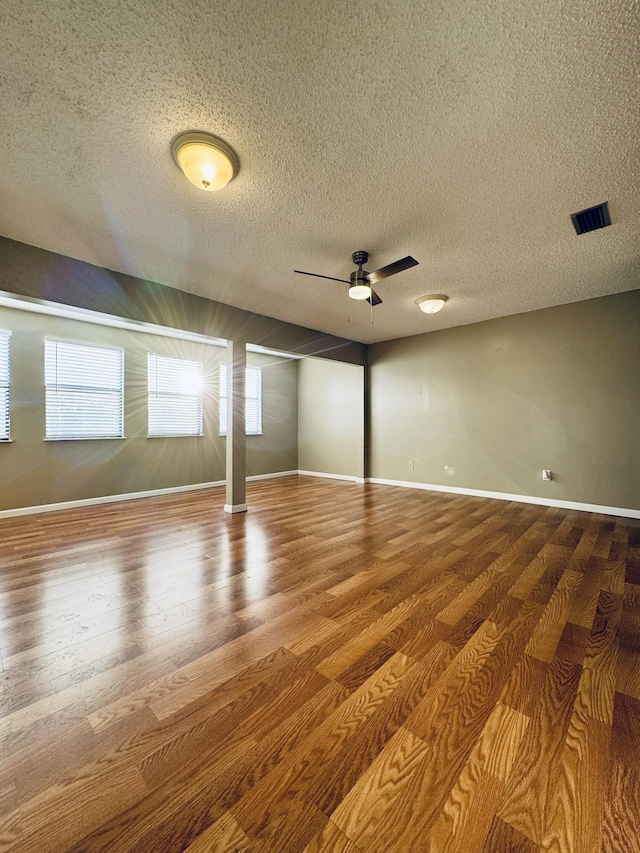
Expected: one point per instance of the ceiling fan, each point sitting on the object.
(360, 280)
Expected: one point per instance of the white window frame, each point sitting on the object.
(71, 392)
(253, 424)
(170, 407)
(5, 382)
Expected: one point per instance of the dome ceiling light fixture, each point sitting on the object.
(431, 304)
(208, 162)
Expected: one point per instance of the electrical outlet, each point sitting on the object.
(546, 474)
(411, 463)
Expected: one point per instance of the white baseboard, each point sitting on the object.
(130, 496)
(233, 508)
(331, 476)
(504, 496)
(623, 512)
(275, 476)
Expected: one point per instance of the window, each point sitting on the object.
(175, 396)
(84, 390)
(5, 338)
(253, 405)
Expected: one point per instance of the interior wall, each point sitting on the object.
(37, 274)
(36, 472)
(277, 448)
(488, 406)
(330, 417)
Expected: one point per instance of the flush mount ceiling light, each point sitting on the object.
(208, 162)
(431, 304)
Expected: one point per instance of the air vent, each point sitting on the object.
(592, 218)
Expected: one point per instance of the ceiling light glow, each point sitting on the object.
(431, 304)
(360, 291)
(208, 162)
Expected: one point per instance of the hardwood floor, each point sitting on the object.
(345, 669)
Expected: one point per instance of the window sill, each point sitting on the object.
(88, 438)
(224, 435)
(177, 435)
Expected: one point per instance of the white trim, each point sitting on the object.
(504, 496)
(271, 476)
(131, 496)
(107, 499)
(99, 318)
(177, 435)
(328, 476)
(431, 487)
(86, 315)
(266, 351)
(89, 438)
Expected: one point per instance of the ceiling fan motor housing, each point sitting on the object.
(359, 277)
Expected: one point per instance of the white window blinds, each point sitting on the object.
(253, 405)
(5, 355)
(175, 396)
(84, 390)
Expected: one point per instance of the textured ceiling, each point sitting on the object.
(462, 132)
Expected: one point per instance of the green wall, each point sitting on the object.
(277, 448)
(35, 472)
(36, 274)
(488, 406)
(330, 417)
(485, 406)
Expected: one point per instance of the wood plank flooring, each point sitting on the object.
(345, 669)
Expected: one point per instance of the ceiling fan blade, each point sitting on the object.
(391, 269)
(374, 299)
(317, 275)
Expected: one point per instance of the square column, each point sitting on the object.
(236, 495)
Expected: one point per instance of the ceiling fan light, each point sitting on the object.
(360, 291)
(431, 304)
(208, 162)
